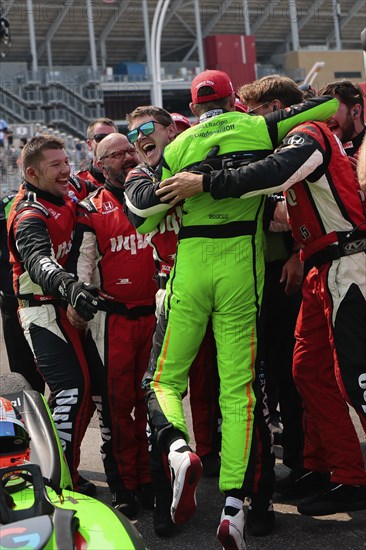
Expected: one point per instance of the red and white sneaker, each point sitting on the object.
(231, 531)
(186, 471)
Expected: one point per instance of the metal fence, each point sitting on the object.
(10, 171)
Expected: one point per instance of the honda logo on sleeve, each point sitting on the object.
(295, 140)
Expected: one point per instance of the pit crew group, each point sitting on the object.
(227, 256)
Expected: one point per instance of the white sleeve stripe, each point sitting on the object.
(144, 213)
(311, 164)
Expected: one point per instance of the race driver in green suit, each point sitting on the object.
(218, 274)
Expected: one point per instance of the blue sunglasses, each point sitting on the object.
(146, 129)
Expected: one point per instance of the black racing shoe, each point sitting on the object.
(261, 519)
(338, 498)
(125, 501)
(302, 482)
(145, 494)
(86, 487)
(211, 464)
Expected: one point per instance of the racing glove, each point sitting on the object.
(81, 296)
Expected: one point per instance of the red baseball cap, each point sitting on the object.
(239, 106)
(218, 81)
(181, 122)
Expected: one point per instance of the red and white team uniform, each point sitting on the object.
(109, 253)
(327, 216)
(91, 174)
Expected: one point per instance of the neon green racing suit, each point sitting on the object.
(218, 273)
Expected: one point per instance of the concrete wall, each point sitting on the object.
(338, 64)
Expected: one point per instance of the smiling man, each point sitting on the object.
(97, 130)
(348, 122)
(41, 225)
(150, 130)
(108, 252)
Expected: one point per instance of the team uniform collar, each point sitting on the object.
(97, 174)
(212, 113)
(45, 195)
(351, 147)
(118, 192)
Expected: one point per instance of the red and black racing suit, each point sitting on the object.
(91, 174)
(108, 252)
(41, 228)
(327, 216)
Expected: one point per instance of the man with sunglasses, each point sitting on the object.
(218, 273)
(97, 130)
(203, 380)
(203, 376)
(108, 252)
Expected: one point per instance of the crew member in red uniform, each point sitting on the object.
(97, 130)
(109, 253)
(348, 123)
(41, 225)
(327, 216)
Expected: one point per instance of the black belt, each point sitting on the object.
(121, 309)
(222, 231)
(335, 251)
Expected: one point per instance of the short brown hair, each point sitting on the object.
(271, 87)
(32, 152)
(101, 120)
(160, 115)
(346, 91)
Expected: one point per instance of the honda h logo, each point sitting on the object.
(107, 206)
(295, 140)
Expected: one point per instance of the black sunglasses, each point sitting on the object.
(147, 128)
(99, 137)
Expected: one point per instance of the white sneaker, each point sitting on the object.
(231, 531)
(186, 471)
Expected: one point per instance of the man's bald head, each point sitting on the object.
(111, 143)
(115, 157)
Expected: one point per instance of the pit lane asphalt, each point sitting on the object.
(293, 531)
